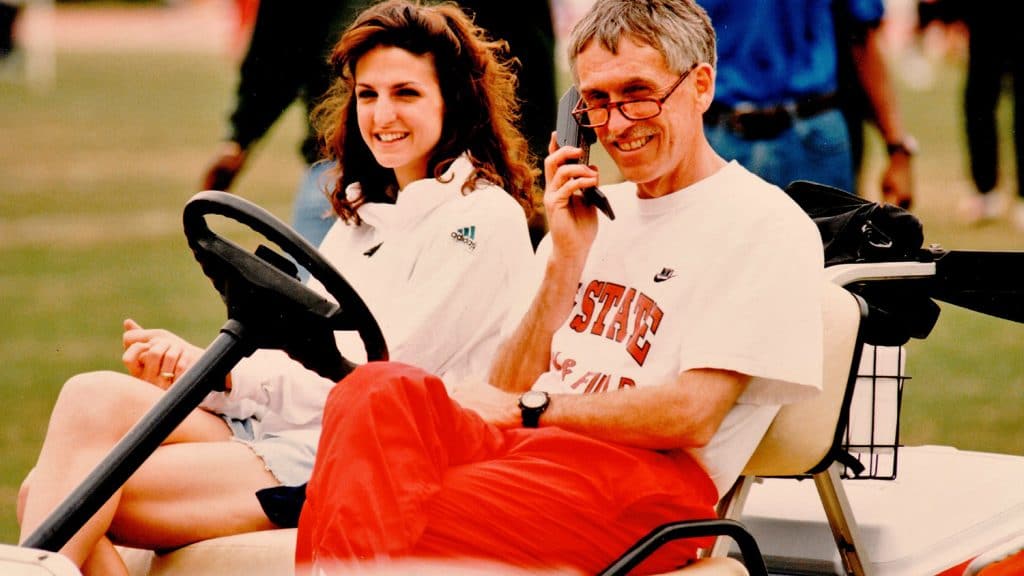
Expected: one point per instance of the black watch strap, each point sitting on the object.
(907, 146)
(532, 404)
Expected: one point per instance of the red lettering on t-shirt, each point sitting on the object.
(599, 383)
(582, 320)
(610, 296)
(647, 318)
(635, 322)
(620, 325)
(583, 379)
(564, 367)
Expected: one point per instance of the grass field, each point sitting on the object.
(93, 176)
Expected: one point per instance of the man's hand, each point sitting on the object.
(572, 224)
(226, 165)
(898, 182)
(493, 405)
(156, 356)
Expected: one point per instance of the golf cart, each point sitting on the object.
(820, 496)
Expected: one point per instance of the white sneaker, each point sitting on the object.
(978, 208)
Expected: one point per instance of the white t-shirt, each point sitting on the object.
(432, 269)
(723, 274)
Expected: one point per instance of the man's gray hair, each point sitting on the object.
(679, 29)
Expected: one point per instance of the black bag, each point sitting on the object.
(857, 230)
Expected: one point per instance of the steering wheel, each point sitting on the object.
(262, 290)
(268, 307)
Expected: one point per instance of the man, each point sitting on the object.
(787, 71)
(651, 359)
(867, 96)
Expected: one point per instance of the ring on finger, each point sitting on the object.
(167, 375)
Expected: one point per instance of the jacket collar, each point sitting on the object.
(417, 199)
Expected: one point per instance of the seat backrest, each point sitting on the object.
(805, 436)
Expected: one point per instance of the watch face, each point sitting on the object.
(533, 399)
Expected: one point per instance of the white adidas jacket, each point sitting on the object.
(436, 278)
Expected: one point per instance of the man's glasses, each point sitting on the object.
(639, 109)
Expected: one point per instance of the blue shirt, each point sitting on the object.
(774, 51)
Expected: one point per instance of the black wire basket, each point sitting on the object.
(872, 434)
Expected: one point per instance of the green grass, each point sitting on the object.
(93, 176)
(967, 384)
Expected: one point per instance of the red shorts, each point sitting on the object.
(404, 471)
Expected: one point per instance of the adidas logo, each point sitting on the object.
(466, 235)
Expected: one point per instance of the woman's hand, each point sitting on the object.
(156, 356)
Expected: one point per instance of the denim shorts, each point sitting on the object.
(288, 458)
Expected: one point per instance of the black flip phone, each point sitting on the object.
(570, 133)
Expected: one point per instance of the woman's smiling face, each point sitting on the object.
(400, 109)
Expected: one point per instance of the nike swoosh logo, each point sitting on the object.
(369, 253)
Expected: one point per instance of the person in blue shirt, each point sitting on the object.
(777, 107)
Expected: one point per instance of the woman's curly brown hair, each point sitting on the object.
(478, 85)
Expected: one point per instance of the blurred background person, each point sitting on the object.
(246, 19)
(994, 51)
(778, 99)
(9, 12)
(860, 55)
(286, 61)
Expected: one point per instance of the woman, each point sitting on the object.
(436, 183)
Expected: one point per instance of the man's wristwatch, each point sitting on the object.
(907, 145)
(532, 404)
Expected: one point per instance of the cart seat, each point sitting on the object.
(263, 553)
(804, 440)
(271, 552)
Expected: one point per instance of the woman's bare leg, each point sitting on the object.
(184, 493)
(104, 559)
(92, 413)
(190, 492)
